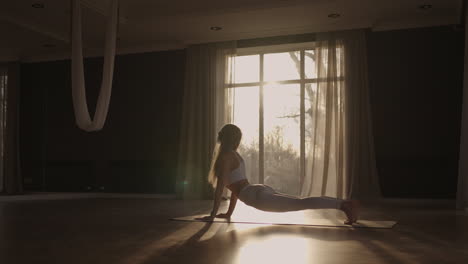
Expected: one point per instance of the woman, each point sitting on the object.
(228, 170)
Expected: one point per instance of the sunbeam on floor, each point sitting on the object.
(138, 231)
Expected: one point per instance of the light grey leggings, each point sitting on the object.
(264, 198)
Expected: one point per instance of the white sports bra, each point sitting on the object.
(236, 174)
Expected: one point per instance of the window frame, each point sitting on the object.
(302, 81)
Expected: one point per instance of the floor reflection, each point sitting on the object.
(124, 231)
(275, 249)
(253, 243)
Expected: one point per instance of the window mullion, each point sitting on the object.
(261, 154)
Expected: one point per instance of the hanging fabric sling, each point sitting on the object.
(83, 119)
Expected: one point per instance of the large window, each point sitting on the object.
(275, 92)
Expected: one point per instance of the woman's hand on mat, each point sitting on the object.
(223, 216)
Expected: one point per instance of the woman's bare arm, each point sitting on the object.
(217, 197)
(226, 163)
(233, 163)
(232, 206)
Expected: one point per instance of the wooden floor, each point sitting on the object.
(137, 231)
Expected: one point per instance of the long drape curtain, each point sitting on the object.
(203, 113)
(3, 85)
(340, 158)
(361, 167)
(462, 190)
(9, 121)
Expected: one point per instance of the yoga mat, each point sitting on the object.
(304, 221)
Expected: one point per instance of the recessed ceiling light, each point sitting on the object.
(334, 15)
(216, 28)
(425, 7)
(48, 45)
(38, 5)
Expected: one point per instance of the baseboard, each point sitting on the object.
(64, 196)
(428, 203)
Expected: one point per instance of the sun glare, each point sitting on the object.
(282, 66)
(247, 69)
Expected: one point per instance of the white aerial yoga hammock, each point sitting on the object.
(83, 120)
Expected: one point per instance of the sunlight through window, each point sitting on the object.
(282, 66)
(267, 107)
(282, 137)
(247, 69)
(246, 117)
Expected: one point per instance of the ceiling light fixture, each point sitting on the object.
(425, 7)
(334, 15)
(38, 5)
(216, 28)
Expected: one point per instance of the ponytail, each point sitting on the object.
(212, 175)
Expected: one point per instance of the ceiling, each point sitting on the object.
(31, 34)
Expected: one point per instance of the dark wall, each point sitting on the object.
(137, 149)
(415, 83)
(416, 79)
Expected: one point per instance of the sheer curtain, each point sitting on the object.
(3, 85)
(204, 111)
(325, 149)
(339, 149)
(12, 179)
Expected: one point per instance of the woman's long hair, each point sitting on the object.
(228, 140)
